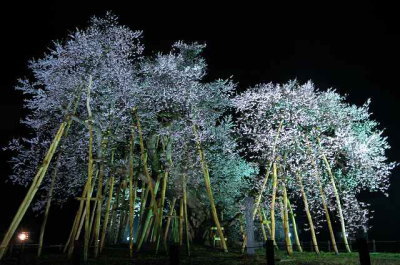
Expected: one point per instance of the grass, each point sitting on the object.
(208, 256)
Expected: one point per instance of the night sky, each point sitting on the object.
(351, 47)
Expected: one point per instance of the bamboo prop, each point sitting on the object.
(148, 228)
(262, 225)
(143, 157)
(150, 213)
(324, 201)
(328, 219)
(48, 204)
(308, 214)
(98, 203)
(143, 201)
(266, 222)
(99, 198)
(122, 214)
(91, 226)
(80, 222)
(175, 228)
(162, 202)
(132, 192)
(185, 214)
(166, 143)
(90, 174)
(286, 228)
(337, 197)
(77, 219)
(181, 222)
(258, 201)
(107, 215)
(37, 180)
(296, 234)
(168, 223)
(113, 223)
(209, 190)
(274, 189)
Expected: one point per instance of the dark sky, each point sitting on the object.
(352, 47)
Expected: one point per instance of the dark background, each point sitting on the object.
(351, 47)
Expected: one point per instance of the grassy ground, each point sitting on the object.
(208, 256)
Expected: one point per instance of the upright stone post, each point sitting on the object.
(363, 251)
(174, 252)
(249, 203)
(270, 255)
